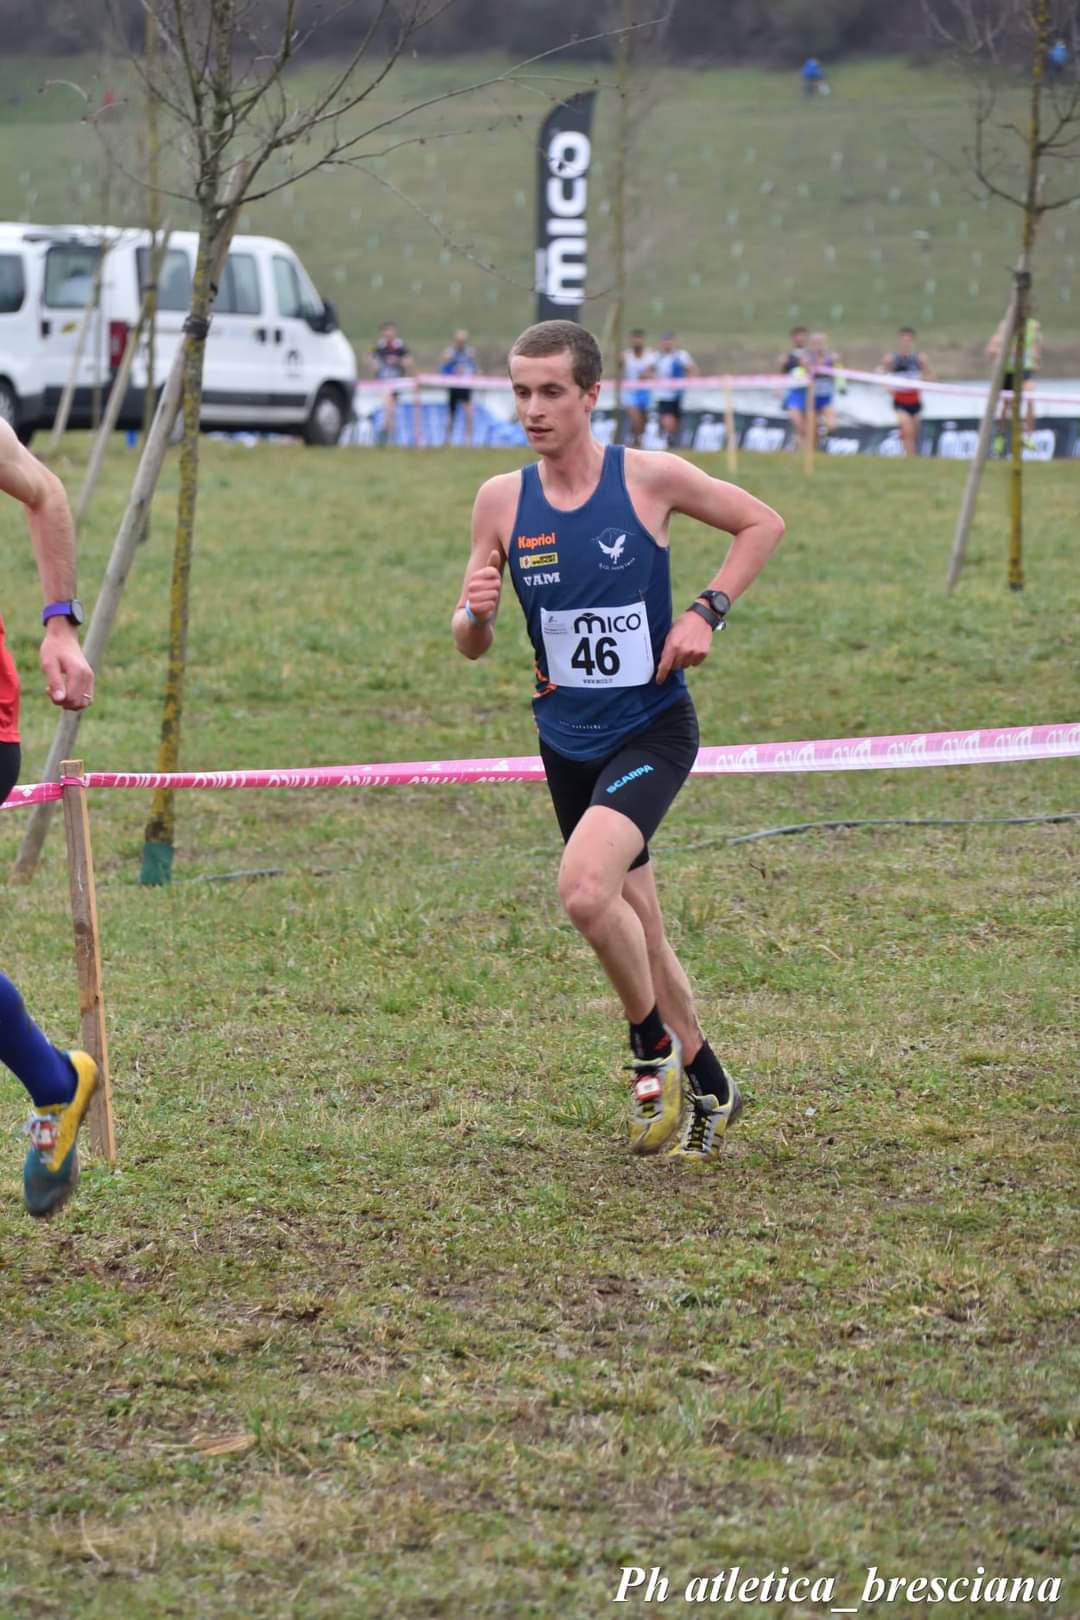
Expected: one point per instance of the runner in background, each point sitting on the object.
(669, 363)
(905, 361)
(826, 386)
(459, 360)
(1032, 362)
(638, 362)
(60, 1084)
(390, 359)
(794, 364)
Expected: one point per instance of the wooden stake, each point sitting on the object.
(809, 425)
(92, 1037)
(729, 429)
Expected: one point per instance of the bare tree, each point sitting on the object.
(1021, 164)
(220, 75)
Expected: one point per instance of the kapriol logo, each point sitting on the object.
(613, 548)
(530, 542)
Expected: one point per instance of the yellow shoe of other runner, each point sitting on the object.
(51, 1170)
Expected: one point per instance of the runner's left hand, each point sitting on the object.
(68, 677)
(688, 643)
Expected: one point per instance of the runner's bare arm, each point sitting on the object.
(685, 488)
(928, 371)
(68, 676)
(482, 585)
(757, 531)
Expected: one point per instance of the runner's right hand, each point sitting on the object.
(485, 587)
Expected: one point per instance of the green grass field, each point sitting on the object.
(375, 1317)
(749, 208)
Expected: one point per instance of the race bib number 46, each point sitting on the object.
(598, 647)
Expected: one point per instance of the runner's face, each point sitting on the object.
(551, 407)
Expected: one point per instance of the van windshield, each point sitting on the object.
(69, 274)
(174, 282)
(12, 283)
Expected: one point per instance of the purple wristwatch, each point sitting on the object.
(71, 610)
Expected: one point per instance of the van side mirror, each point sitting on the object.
(326, 320)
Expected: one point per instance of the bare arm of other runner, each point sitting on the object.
(482, 586)
(757, 531)
(68, 677)
(928, 371)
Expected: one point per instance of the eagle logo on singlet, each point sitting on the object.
(612, 543)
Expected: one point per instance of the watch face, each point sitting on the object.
(76, 611)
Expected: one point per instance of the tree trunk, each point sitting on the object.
(622, 141)
(982, 448)
(1023, 287)
(132, 529)
(161, 827)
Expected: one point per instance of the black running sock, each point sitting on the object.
(650, 1039)
(706, 1076)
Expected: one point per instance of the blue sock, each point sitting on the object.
(47, 1073)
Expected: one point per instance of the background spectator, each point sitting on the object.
(459, 360)
(671, 362)
(390, 359)
(638, 362)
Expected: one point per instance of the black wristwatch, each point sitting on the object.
(712, 606)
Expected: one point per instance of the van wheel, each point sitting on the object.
(9, 403)
(327, 420)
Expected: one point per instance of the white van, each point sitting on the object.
(275, 358)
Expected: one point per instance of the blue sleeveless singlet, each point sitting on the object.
(595, 588)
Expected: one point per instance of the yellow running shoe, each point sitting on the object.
(705, 1124)
(656, 1099)
(51, 1170)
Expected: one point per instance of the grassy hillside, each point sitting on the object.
(376, 1317)
(750, 208)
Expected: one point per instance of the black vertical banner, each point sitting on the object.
(562, 193)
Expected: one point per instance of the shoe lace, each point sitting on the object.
(699, 1129)
(42, 1131)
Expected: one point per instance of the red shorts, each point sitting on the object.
(9, 694)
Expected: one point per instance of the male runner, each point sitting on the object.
(459, 362)
(907, 361)
(638, 362)
(671, 362)
(390, 359)
(60, 1083)
(584, 532)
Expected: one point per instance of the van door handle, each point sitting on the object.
(46, 328)
(261, 334)
(279, 334)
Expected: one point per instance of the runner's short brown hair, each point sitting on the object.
(553, 337)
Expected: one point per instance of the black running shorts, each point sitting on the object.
(10, 762)
(640, 779)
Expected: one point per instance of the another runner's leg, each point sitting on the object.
(45, 1071)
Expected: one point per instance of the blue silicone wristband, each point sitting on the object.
(470, 615)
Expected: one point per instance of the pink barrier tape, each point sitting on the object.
(989, 746)
(37, 793)
(898, 383)
(666, 385)
(671, 385)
